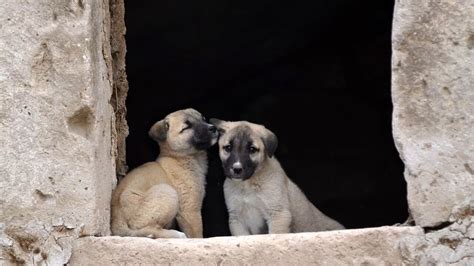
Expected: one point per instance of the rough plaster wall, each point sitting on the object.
(120, 84)
(433, 96)
(56, 165)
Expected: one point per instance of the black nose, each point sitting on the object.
(237, 170)
(213, 129)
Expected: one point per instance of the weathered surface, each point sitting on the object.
(453, 245)
(374, 246)
(56, 165)
(433, 97)
(120, 83)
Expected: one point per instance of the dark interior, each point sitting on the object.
(317, 73)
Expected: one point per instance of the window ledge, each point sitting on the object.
(358, 246)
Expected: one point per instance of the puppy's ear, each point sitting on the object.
(220, 124)
(159, 130)
(270, 141)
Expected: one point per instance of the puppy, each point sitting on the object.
(259, 196)
(151, 197)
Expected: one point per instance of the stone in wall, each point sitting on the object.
(57, 167)
(433, 97)
(452, 245)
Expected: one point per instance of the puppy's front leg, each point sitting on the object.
(237, 228)
(190, 223)
(279, 222)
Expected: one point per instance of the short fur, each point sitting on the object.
(262, 199)
(151, 197)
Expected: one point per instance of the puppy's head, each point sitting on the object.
(184, 132)
(244, 147)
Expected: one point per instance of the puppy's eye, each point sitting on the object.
(227, 148)
(187, 125)
(253, 149)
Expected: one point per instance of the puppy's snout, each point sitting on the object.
(212, 129)
(237, 168)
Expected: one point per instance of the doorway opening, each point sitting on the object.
(316, 73)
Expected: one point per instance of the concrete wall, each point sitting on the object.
(57, 162)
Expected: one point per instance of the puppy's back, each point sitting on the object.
(141, 179)
(136, 181)
(305, 216)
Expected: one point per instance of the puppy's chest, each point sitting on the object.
(191, 183)
(251, 210)
(249, 200)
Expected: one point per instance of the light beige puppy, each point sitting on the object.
(149, 199)
(259, 196)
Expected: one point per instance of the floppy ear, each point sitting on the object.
(159, 130)
(270, 141)
(220, 124)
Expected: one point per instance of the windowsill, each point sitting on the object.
(372, 245)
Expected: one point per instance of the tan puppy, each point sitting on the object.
(149, 199)
(260, 197)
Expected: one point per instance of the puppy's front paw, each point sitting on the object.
(181, 235)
